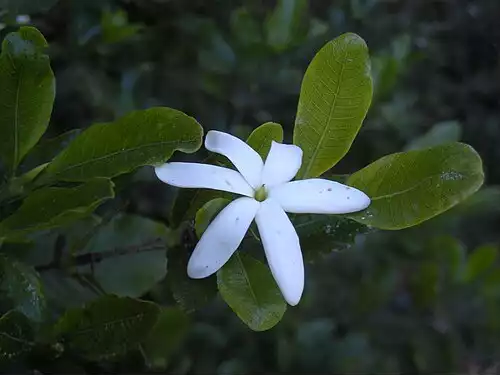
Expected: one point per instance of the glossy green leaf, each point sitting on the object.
(206, 214)
(27, 91)
(189, 201)
(47, 149)
(21, 289)
(52, 207)
(16, 336)
(260, 139)
(410, 187)
(286, 24)
(165, 338)
(133, 251)
(27, 6)
(248, 287)
(443, 132)
(321, 235)
(334, 99)
(479, 262)
(107, 327)
(140, 138)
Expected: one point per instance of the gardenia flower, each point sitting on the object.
(267, 195)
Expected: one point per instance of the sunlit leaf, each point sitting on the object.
(52, 207)
(107, 327)
(261, 138)
(334, 99)
(21, 289)
(27, 91)
(411, 187)
(146, 137)
(248, 287)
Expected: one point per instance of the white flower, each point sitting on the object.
(268, 194)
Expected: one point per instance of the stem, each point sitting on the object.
(93, 258)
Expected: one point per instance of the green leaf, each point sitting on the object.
(245, 28)
(27, 91)
(189, 201)
(108, 327)
(52, 207)
(286, 24)
(479, 262)
(410, 187)
(26, 6)
(248, 287)
(165, 338)
(21, 288)
(334, 99)
(443, 132)
(20, 185)
(140, 138)
(47, 149)
(205, 215)
(133, 251)
(321, 235)
(261, 138)
(115, 26)
(16, 336)
(189, 293)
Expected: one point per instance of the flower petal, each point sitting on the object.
(282, 248)
(196, 175)
(282, 164)
(319, 196)
(222, 237)
(245, 159)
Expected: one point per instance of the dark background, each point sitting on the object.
(421, 300)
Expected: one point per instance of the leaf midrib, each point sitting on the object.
(245, 274)
(119, 152)
(95, 327)
(415, 186)
(330, 114)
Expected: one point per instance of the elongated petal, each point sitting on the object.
(319, 196)
(282, 248)
(244, 158)
(222, 237)
(282, 164)
(196, 175)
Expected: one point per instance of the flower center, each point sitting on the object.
(260, 194)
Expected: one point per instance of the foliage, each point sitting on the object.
(94, 249)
